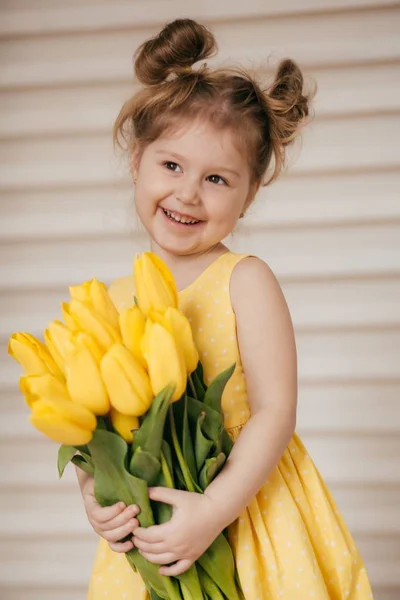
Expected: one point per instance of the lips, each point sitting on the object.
(179, 218)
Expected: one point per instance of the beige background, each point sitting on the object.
(330, 230)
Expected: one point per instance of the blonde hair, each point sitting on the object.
(266, 121)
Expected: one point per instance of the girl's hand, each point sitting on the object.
(112, 523)
(191, 530)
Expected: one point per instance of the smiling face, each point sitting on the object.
(191, 187)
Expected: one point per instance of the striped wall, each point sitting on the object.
(330, 229)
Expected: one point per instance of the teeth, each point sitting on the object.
(179, 219)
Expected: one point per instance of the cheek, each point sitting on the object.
(225, 212)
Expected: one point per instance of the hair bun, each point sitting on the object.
(288, 101)
(178, 46)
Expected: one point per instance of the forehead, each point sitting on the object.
(200, 140)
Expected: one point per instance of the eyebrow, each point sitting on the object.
(180, 158)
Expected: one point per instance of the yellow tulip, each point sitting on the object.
(82, 367)
(32, 355)
(180, 328)
(94, 293)
(35, 387)
(131, 322)
(126, 381)
(63, 421)
(164, 359)
(124, 424)
(155, 286)
(57, 337)
(89, 321)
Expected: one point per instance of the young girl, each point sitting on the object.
(201, 141)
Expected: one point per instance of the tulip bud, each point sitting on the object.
(63, 421)
(131, 322)
(180, 328)
(82, 367)
(124, 424)
(32, 355)
(164, 359)
(95, 295)
(155, 286)
(35, 387)
(87, 320)
(126, 381)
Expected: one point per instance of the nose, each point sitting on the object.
(188, 192)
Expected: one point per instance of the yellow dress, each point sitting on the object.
(290, 541)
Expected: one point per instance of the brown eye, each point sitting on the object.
(217, 179)
(171, 166)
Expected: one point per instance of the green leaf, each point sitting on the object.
(218, 563)
(112, 481)
(200, 375)
(150, 434)
(166, 588)
(226, 444)
(216, 388)
(203, 445)
(213, 422)
(190, 584)
(83, 464)
(208, 585)
(65, 454)
(145, 465)
(211, 469)
(187, 444)
(198, 386)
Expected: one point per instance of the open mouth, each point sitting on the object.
(177, 218)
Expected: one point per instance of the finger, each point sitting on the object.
(126, 515)
(117, 534)
(166, 495)
(102, 514)
(155, 533)
(159, 559)
(121, 546)
(154, 548)
(177, 569)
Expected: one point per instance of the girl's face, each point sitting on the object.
(191, 187)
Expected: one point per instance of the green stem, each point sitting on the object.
(178, 451)
(193, 388)
(166, 472)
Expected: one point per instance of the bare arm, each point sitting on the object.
(268, 353)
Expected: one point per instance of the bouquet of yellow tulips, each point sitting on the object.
(125, 396)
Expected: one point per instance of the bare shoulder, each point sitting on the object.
(265, 335)
(122, 291)
(252, 283)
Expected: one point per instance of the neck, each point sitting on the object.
(187, 267)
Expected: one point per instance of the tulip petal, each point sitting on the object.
(124, 424)
(84, 381)
(32, 355)
(35, 387)
(127, 382)
(95, 294)
(182, 332)
(94, 324)
(155, 287)
(131, 322)
(63, 421)
(164, 360)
